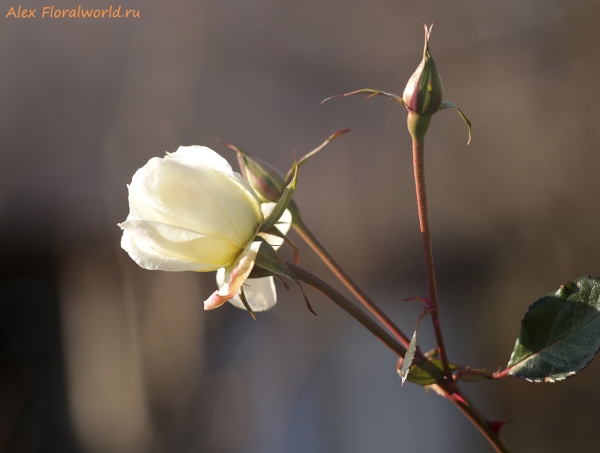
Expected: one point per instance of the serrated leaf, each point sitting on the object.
(408, 358)
(412, 348)
(560, 333)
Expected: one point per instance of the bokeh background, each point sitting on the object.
(98, 355)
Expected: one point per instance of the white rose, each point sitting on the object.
(191, 212)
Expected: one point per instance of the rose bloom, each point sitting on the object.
(190, 211)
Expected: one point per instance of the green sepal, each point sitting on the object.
(305, 158)
(275, 232)
(245, 302)
(282, 204)
(447, 105)
(265, 180)
(259, 272)
(560, 333)
(371, 92)
(268, 259)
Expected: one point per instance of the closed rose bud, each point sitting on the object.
(424, 92)
(267, 181)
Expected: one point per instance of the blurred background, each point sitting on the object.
(98, 355)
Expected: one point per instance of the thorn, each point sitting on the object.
(419, 298)
(459, 398)
(497, 424)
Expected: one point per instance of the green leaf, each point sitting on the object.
(560, 333)
(269, 260)
(412, 348)
(429, 372)
(283, 202)
(447, 105)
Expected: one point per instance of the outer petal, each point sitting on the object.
(283, 224)
(260, 292)
(196, 189)
(235, 276)
(158, 246)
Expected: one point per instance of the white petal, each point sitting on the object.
(202, 156)
(195, 188)
(158, 246)
(283, 224)
(260, 292)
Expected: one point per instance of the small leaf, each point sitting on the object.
(269, 260)
(447, 105)
(283, 202)
(560, 333)
(412, 348)
(429, 372)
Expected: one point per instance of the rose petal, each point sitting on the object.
(157, 246)
(235, 276)
(260, 292)
(283, 224)
(195, 188)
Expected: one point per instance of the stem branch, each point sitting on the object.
(349, 307)
(307, 235)
(419, 167)
(448, 389)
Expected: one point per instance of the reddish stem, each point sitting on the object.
(419, 168)
(308, 237)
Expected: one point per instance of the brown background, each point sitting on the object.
(98, 355)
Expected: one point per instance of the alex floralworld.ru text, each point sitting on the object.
(79, 12)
